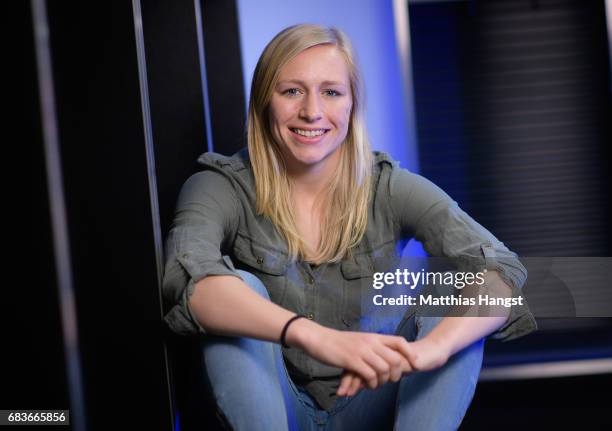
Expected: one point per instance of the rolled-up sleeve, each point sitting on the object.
(206, 218)
(426, 212)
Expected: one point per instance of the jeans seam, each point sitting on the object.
(336, 409)
(297, 393)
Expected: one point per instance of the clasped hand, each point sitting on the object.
(371, 360)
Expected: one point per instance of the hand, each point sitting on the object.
(374, 358)
(351, 382)
(427, 354)
(423, 355)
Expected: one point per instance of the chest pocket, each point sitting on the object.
(357, 275)
(358, 291)
(268, 264)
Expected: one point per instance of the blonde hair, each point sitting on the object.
(345, 204)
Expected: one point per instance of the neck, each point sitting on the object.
(311, 181)
(308, 183)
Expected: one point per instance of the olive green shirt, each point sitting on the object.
(217, 230)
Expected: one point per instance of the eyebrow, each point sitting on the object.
(302, 83)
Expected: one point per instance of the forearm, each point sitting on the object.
(225, 305)
(454, 333)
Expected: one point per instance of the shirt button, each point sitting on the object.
(310, 280)
(310, 316)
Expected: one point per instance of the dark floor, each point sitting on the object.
(576, 403)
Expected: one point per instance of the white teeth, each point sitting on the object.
(309, 133)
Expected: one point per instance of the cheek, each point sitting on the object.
(343, 115)
(273, 115)
(276, 120)
(281, 113)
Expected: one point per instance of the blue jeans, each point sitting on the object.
(253, 390)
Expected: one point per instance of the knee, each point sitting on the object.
(254, 283)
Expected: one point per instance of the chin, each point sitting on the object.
(309, 157)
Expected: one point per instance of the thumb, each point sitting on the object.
(408, 352)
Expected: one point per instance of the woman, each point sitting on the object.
(305, 216)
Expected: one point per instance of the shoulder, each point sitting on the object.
(382, 159)
(218, 168)
(234, 163)
(406, 190)
(217, 174)
(388, 172)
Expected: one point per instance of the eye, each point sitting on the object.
(292, 92)
(332, 93)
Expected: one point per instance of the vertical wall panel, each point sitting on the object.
(175, 94)
(226, 96)
(34, 369)
(513, 110)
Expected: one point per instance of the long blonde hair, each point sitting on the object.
(345, 204)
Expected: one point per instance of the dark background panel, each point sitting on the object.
(109, 215)
(513, 108)
(224, 75)
(181, 87)
(34, 372)
(559, 403)
(175, 95)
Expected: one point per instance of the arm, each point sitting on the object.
(422, 209)
(373, 357)
(199, 280)
(251, 315)
(427, 212)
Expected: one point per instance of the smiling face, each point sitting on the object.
(310, 109)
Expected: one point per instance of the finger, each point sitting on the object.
(346, 383)
(403, 347)
(356, 385)
(367, 373)
(395, 360)
(380, 366)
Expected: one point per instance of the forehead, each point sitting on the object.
(317, 64)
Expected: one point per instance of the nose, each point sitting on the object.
(311, 108)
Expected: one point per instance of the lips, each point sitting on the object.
(309, 133)
(308, 136)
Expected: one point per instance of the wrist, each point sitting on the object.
(302, 333)
(440, 344)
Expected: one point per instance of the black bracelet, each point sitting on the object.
(284, 331)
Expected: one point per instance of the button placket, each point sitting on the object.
(310, 291)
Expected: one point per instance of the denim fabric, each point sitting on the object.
(254, 390)
(217, 231)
